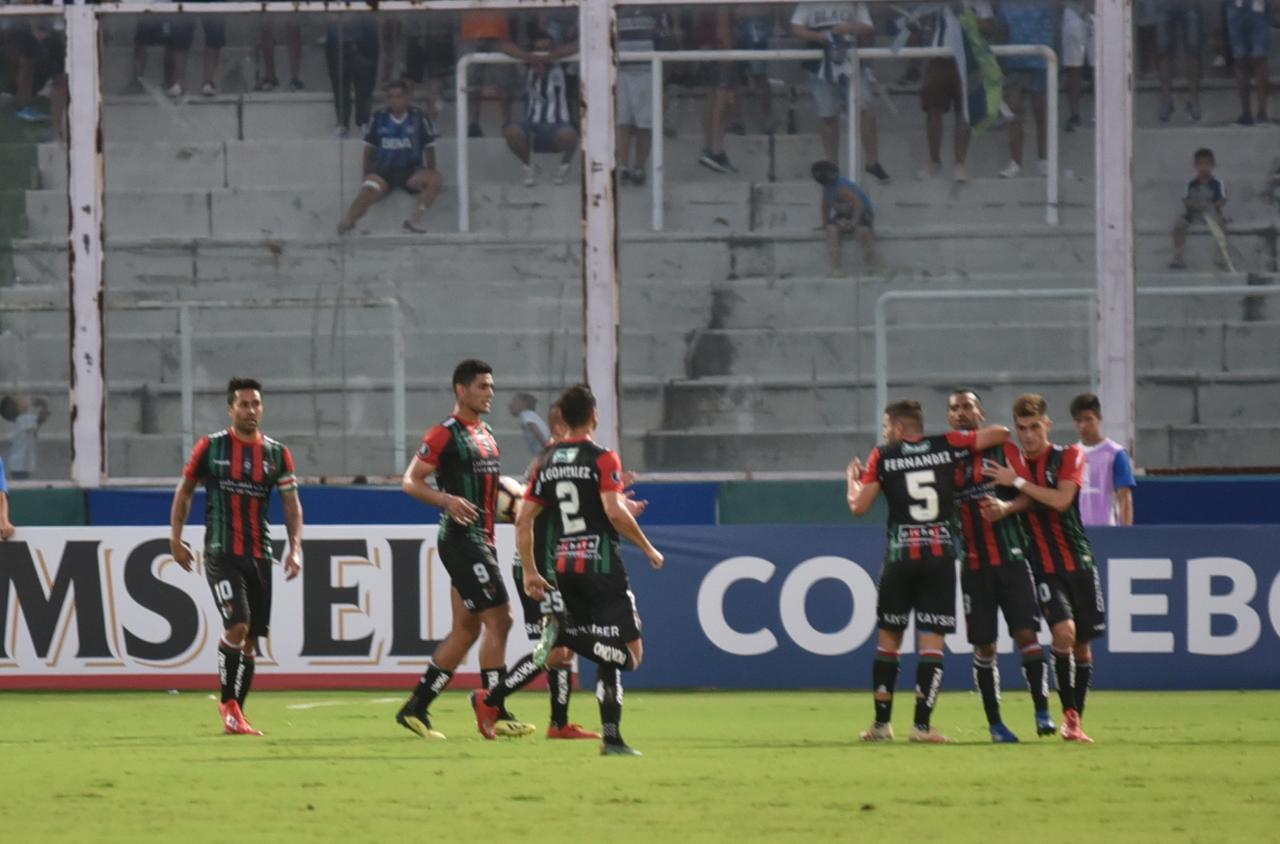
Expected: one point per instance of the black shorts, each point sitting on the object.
(242, 590)
(151, 31)
(1009, 587)
(1076, 595)
(473, 571)
(182, 30)
(601, 605)
(47, 54)
(531, 608)
(398, 179)
(926, 586)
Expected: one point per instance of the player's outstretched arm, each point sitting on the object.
(860, 494)
(626, 525)
(177, 518)
(990, 437)
(535, 585)
(293, 524)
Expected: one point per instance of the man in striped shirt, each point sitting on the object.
(995, 576)
(239, 466)
(1049, 480)
(548, 122)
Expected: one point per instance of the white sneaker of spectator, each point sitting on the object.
(209, 89)
(175, 90)
(959, 174)
(563, 172)
(928, 171)
(1043, 167)
(1012, 171)
(531, 172)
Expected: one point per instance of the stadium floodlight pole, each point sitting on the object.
(85, 271)
(600, 291)
(1113, 152)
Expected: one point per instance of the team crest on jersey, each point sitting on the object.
(617, 477)
(268, 467)
(565, 455)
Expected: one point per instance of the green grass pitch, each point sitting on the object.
(718, 766)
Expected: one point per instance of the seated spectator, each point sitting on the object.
(941, 92)
(182, 33)
(1027, 22)
(27, 413)
(1205, 196)
(835, 27)
(485, 32)
(846, 210)
(399, 153)
(1174, 18)
(1249, 31)
(1078, 45)
(351, 53)
(267, 79)
(42, 54)
(638, 29)
(548, 124)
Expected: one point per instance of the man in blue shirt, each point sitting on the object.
(6, 526)
(1027, 23)
(399, 152)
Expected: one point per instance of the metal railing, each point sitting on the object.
(657, 58)
(1089, 293)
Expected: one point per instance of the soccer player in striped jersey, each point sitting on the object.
(1070, 592)
(917, 474)
(239, 466)
(995, 576)
(462, 454)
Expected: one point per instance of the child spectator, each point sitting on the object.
(1205, 195)
(846, 210)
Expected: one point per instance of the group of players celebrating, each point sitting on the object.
(1010, 516)
(573, 586)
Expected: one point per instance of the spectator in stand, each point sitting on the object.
(1205, 196)
(1174, 18)
(6, 526)
(42, 54)
(1027, 22)
(1144, 21)
(351, 53)
(268, 81)
(836, 28)
(150, 31)
(941, 92)
(752, 28)
(1078, 46)
(524, 407)
(27, 415)
(182, 32)
(485, 32)
(1249, 30)
(638, 30)
(399, 152)
(1107, 495)
(548, 123)
(739, 27)
(429, 56)
(846, 210)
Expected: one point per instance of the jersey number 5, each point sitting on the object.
(920, 488)
(567, 495)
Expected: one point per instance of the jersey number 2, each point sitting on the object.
(567, 495)
(920, 488)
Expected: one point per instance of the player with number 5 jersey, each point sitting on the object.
(917, 475)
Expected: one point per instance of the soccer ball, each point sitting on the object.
(510, 491)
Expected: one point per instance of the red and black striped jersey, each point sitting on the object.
(577, 534)
(466, 461)
(1057, 540)
(918, 478)
(238, 476)
(987, 544)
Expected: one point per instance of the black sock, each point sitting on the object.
(560, 681)
(609, 693)
(928, 682)
(433, 682)
(245, 680)
(1084, 678)
(524, 673)
(884, 676)
(1034, 670)
(1064, 669)
(491, 678)
(986, 675)
(228, 670)
(605, 652)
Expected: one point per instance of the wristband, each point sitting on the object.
(1019, 483)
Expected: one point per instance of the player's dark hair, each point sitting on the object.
(576, 405)
(960, 391)
(1204, 153)
(907, 411)
(1085, 402)
(465, 373)
(825, 172)
(8, 408)
(235, 385)
(1030, 404)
